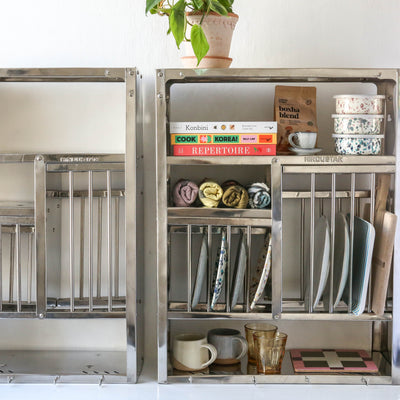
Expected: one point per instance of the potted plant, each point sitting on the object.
(211, 25)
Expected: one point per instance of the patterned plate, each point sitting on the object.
(220, 270)
(263, 267)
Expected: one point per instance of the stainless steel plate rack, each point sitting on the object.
(75, 252)
(302, 189)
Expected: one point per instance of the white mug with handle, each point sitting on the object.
(190, 352)
(230, 344)
(303, 140)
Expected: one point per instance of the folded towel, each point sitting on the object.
(259, 196)
(235, 195)
(210, 194)
(185, 193)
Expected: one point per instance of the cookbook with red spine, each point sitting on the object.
(223, 138)
(224, 150)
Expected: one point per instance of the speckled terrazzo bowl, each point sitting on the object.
(364, 124)
(359, 104)
(358, 144)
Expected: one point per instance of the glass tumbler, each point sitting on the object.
(269, 352)
(268, 330)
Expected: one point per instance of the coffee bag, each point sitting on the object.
(295, 111)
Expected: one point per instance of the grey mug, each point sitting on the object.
(230, 344)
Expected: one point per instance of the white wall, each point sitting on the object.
(101, 33)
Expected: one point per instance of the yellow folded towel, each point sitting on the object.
(210, 194)
(235, 195)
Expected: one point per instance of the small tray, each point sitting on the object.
(332, 361)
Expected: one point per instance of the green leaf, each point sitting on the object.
(177, 21)
(198, 4)
(217, 7)
(199, 42)
(150, 4)
(227, 4)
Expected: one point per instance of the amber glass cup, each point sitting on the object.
(268, 330)
(269, 352)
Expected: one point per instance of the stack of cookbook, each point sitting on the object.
(248, 138)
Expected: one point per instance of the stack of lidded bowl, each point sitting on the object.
(358, 124)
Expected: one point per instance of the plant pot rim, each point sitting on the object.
(232, 15)
(209, 58)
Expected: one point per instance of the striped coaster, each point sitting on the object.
(332, 360)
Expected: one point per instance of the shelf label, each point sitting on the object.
(73, 159)
(324, 159)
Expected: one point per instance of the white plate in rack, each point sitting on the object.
(321, 261)
(322, 244)
(239, 270)
(262, 272)
(341, 257)
(363, 244)
(201, 271)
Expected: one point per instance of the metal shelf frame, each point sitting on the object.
(72, 366)
(386, 82)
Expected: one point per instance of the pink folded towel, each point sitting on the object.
(185, 193)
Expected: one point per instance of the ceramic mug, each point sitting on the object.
(231, 346)
(190, 352)
(303, 140)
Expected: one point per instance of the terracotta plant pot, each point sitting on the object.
(218, 30)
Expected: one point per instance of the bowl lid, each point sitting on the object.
(358, 136)
(359, 96)
(362, 116)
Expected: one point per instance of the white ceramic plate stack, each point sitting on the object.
(358, 124)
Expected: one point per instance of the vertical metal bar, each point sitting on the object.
(248, 270)
(393, 108)
(162, 223)
(321, 207)
(358, 207)
(228, 269)
(134, 214)
(276, 231)
(372, 221)
(82, 249)
(312, 228)
(169, 261)
(302, 252)
(189, 267)
(116, 248)
(18, 264)
(209, 267)
(90, 238)
(29, 269)
(99, 245)
(71, 241)
(1, 268)
(352, 197)
(40, 236)
(333, 216)
(109, 241)
(11, 281)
